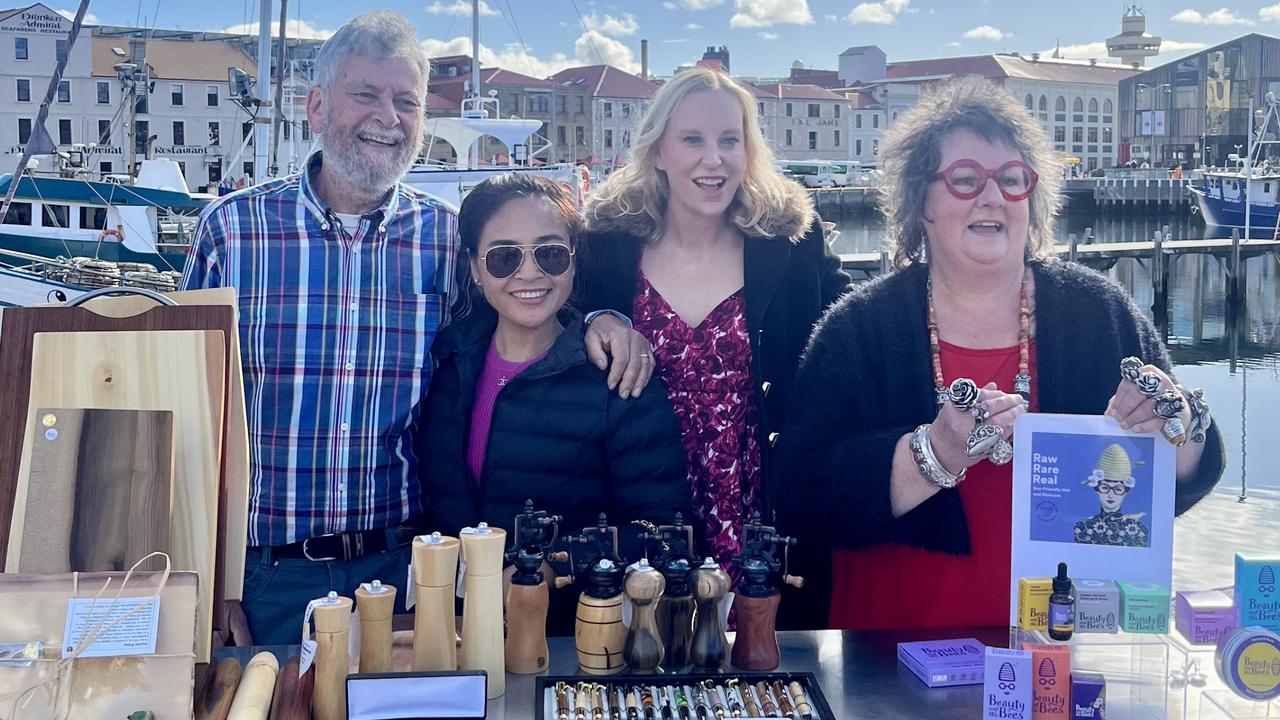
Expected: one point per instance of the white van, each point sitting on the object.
(810, 173)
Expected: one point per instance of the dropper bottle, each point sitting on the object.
(1062, 606)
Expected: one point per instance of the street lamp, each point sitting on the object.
(1152, 109)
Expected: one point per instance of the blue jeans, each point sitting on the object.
(277, 590)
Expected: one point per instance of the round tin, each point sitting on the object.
(1248, 660)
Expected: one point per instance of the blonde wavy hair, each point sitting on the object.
(639, 190)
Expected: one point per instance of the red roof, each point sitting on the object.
(607, 81)
(1001, 67)
(799, 92)
(862, 101)
(454, 88)
(438, 104)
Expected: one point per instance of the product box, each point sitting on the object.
(1203, 617)
(1006, 685)
(941, 663)
(1088, 696)
(1049, 696)
(1097, 606)
(1144, 607)
(1257, 591)
(1033, 603)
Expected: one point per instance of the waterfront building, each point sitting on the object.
(599, 118)
(1133, 45)
(805, 121)
(1195, 110)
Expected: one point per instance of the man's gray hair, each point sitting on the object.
(380, 34)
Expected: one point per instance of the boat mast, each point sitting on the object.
(277, 111)
(262, 125)
(477, 104)
(40, 139)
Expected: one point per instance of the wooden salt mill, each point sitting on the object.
(757, 598)
(253, 697)
(435, 633)
(528, 596)
(709, 646)
(333, 661)
(598, 632)
(375, 604)
(482, 646)
(643, 651)
(672, 545)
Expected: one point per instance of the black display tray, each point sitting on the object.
(813, 690)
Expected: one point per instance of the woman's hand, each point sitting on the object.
(951, 429)
(1137, 412)
(608, 338)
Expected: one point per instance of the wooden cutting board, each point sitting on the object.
(182, 371)
(99, 492)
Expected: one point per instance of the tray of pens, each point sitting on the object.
(696, 696)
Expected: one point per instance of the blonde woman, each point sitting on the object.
(721, 263)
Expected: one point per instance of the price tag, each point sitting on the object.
(411, 592)
(353, 637)
(627, 610)
(134, 635)
(308, 655)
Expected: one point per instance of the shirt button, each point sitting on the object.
(324, 226)
(355, 306)
(345, 427)
(351, 366)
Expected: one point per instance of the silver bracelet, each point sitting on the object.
(927, 463)
(1201, 420)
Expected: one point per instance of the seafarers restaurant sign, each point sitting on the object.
(36, 20)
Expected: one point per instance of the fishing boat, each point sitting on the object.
(1246, 199)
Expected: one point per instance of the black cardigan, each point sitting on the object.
(558, 436)
(786, 286)
(866, 380)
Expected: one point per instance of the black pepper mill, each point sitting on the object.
(528, 596)
(672, 546)
(757, 598)
(598, 632)
(710, 646)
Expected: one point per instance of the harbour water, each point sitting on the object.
(1234, 354)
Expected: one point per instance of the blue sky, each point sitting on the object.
(764, 37)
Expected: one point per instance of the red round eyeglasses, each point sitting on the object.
(966, 179)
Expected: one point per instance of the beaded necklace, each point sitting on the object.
(1021, 381)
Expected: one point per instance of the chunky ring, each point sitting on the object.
(1169, 404)
(1130, 368)
(644, 355)
(982, 439)
(1174, 432)
(1148, 384)
(964, 393)
(1001, 453)
(980, 413)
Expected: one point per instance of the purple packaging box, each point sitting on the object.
(1006, 685)
(1203, 617)
(1088, 696)
(942, 663)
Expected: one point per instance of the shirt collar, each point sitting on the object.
(317, 206)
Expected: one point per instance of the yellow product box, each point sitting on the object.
(1033, 603)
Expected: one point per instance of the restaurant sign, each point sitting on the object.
(37, 20)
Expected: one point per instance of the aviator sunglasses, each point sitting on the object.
(966, 179)
(503, 261)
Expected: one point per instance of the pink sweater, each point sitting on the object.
(496, 374)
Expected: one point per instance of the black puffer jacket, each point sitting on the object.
(558, 436)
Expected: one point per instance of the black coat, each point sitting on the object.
(866, 380)
(558, 436)
(786, 286)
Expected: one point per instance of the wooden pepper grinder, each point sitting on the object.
(710, 646)
(528, 596)
(672, 545)
(643, 651)
(333, 661)
(253, 697)
(598, 632)
(435, 633)
(482, 647)
(757, 598)
(375, 604)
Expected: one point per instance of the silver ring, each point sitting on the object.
(1148, 384)
(1169, 404)
(1001, 453)
(980, 413)
(982, 440)
(964, 393)
(1130, 368)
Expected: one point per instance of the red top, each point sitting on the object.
(893, 586)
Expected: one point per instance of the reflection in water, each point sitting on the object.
(1232, 352)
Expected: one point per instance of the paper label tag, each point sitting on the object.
(411, 592)
(627, 610)
(307, 656)
(308, 645)
(135, 635)
(353, 637)
(726, 602)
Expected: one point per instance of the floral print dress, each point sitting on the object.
(707, 373)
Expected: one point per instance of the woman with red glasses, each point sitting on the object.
(903, 472)
(517, 411)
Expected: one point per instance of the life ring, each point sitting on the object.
(111, 233)
(584, 184)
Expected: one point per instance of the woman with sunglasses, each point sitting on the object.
(516, 410)
(882, 455)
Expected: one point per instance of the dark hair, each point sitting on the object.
(487, 198)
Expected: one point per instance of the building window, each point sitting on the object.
(789, 111)
(105, 167)
(19, 214)
(836, 109)
(857, 147)
(1060, 109)
(1093, 106)
(857, 120)
(215, 132)
(875, 147)
(579, 135)
(760, 108)
(104, 132)
(24, 131)
(104, 93)
(20, 50)
(211, 95)
(141, 105)
(64, 91)
(608, 139)
(560, 135)
(64, 131)
(1106, 134)
(1106, 106)
(55, 215)
(1044, 104)
(248, 170)
(1030, 102)
(837, 136)
(813, 141)
(246, 132)
(561, 104)
(1077, 134)
(582, 105)
(1077, 105)
(608, 109)
(93, 218)
(175, 94)
(1093, 134)
(626, 110)
(180, 133)
(788, 140)
(1059, 134)
(815, 110)
(141, 134)
(24, 90)
(287, 127)
(537, 104)
(60, 50)
(306, 130)
(626, 138)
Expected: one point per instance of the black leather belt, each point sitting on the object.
(345, 546)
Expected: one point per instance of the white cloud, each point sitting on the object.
(1175, 46)
(1098, 50)
(767, 35)
(610, 25)
(879, 13)
(693, 26)
(1221, 16)
(89, 18)
(591, 48)
(295, 29)
(766, 13)
(670, 5)
(674, 41)
(985, 32)
(1271, 13)
(831, 18)
(460, 8)
(952, 44)
(699, 4)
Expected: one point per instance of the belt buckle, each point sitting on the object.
(307, 553)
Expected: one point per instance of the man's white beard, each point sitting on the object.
(372, 175)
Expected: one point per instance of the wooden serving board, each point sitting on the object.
(99, 492)
(182, 371)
